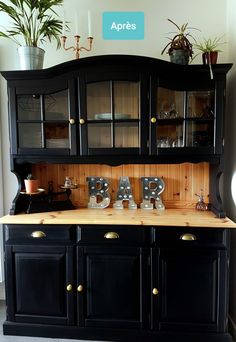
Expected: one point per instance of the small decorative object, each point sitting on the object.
(152, 187)
(124, 193)
(209, 49)
(201, 205)
(35, 21)
(68, 182)
(99, 196)
(31, 184)
(180, 47)
(77, 48)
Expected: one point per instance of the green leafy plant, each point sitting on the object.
(30, 177)
(180, 39)
(35, 20)
(209, 44)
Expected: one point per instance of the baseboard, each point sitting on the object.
(232, 327)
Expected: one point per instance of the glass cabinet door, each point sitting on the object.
(43, 123)
(200, 117)
(113, 117)
(182, 119)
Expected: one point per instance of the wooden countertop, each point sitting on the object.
(168, 217)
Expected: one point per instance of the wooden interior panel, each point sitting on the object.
(182, 181)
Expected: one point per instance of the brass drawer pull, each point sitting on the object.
(155, 291)
(81, 121)
(72, 121)
(111, 235)
(38, 234)
(153, 120)
(80, 288)
(188, 237)
(69, 288)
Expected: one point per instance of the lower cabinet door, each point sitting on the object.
(37, 279)
(112, 287)
(192, 287)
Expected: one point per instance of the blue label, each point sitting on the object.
(123, 25)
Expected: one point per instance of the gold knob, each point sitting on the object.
(188, 237)
(38, 234)
(72, 121)
(80, 288)
(155, 291)
(81, 121)
(153, 120)
(111, 235)
(69, 288)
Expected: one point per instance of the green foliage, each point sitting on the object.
(180, 39)
(35, 20)
(209, 45)
(30, 176)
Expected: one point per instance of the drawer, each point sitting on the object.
(113, 235)
(37, 232)
(169, 236)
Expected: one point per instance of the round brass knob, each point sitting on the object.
(155, 291)
(81, 121)
(80, 288)
(69, 288)
(153, 120)
(72, 121)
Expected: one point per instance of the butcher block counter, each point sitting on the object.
(109, 216)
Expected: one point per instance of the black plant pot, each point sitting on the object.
(179, 56)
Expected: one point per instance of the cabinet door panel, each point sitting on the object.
(38, 277)
(191, 288)
(113, 108)
(115, 287)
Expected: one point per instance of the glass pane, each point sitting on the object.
(126, 134)
(28, 107)
(199, 134)
(56, 106)
(170, 104)
(57, 135)
(201, 104)
(99, 135)
(30, 135)
(99, 100)
(126, 100)
(170, 136)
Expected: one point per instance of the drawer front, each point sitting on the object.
(113, 235)
(37, 232)
(168, 236)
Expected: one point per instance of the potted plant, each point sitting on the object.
(31, 184)
(180, 48)
(35, 21)
(209, 47)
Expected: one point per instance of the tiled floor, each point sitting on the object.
(23, 338)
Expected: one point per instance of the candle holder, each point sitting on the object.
(77, 48)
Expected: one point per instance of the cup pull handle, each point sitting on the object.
(111, 235)
(38, 234)
(188, 237)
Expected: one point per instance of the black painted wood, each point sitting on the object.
(117, 302)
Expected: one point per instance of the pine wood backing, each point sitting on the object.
(182, 181)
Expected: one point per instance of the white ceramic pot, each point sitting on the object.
(31, 57)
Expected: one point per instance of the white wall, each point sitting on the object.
(198, 14)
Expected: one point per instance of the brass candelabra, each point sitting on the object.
(77, 48)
